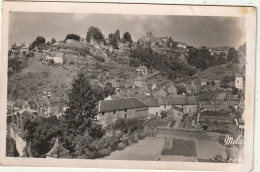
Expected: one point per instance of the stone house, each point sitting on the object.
(58, 58)
(47, 106)
(175, 113)
(154, 107)
(161, 93)
(111, 110)
(190, 88)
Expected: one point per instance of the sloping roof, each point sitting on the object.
(43, 102)
(10, 103)
(172, 89)
(120, 104)
(220, 96)
(152, 102)
(59, 54)
(57, 150)
(204, 80)
(190, 87)
(52, 100)
(162, 100)
(20, 103)
(161, 92)
(177, 108)
(182, 101)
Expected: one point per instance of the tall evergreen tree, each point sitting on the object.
(82, 98)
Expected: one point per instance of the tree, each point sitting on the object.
(232, 55)
(181, 89)
(127, 36)
(40, 40)
(95, 33)
(53, 40)
(226, 80)
(73, 36)
(82, 98)
(113, 40)
(40, 134)
(108, 90)
(117, 35)
(51, 62)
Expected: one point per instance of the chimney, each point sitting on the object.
(18, 120)
(22, 122)
(12, 112)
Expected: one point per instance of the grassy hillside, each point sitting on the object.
(38, 76)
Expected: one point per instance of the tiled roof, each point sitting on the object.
(182, 100)
(57, 150)
(120, 104)
(43, 102)
(20, 103)
(59, 54)
(152, 102)
(177, 108)
(220, 96)
(190, 87)
(162, 100)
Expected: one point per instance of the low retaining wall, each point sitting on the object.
(20, 143)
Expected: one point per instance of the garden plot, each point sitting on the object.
(179, 147)
(148, 149)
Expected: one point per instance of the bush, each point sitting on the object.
(135, 138)
(104, 152)
(51, 62)
(121, 145)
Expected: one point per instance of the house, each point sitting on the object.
(163, 103)
(203, 82)
(207, 82)
(239, 82)
(24, 49)
(220, 97)
(58, 151)
(175, 113)
(190, 88)
(20, 104)
(189, 104)
(180, 48)
(111, 110)
(241, 126)
(57, 57)
(15, 49)
(142, 70)
(140, 81)
(172, 90)
(161, 93)
(47, 106)
(146, 90)
(154, 107)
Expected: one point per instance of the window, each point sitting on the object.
(179, 113)
(125, 115)
(125, 110)
(237, 81)
(164, 106)
(190, 109)
(114, 111)
(103, 113)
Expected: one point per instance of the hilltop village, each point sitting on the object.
(153, 87)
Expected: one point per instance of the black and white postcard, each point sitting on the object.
(127, 86)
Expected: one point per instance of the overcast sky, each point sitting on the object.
(195, 31)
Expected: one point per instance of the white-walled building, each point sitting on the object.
(239, 82)
(111, 110)
(58, 58)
